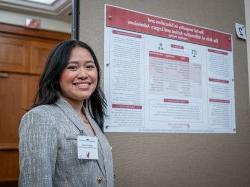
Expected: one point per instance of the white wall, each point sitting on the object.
(48, 24)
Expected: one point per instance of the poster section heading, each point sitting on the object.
(134, 21)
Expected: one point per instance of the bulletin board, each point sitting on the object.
(165, 76)
(181, 159)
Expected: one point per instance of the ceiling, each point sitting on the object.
(60, 9)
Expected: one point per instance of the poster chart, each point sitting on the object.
(166, 76)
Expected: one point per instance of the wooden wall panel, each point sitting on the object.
(17, 60)
(39, 53)
(14, 100)
(9, 159)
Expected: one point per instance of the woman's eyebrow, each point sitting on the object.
(77, 62)
(73, 62)
(90, 61)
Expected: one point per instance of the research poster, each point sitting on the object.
(166, 76)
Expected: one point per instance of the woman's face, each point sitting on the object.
(79, 78)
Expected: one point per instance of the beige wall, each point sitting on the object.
(180, 160)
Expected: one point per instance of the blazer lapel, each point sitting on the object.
(75, 119)
(71, 114)
(103, 165)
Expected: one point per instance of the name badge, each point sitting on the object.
(87, 147)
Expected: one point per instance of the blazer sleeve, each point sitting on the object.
(37, 149)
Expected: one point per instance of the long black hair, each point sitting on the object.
(49, 88)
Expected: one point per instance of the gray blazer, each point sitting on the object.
(48, 150)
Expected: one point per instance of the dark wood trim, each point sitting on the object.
(8, 147)
(38, 33)
(9, 183)
(8, 180)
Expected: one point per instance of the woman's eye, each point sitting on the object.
(90, 67)
(72, 67)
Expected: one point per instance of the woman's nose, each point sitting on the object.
(82, 73)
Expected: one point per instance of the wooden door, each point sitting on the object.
(14, 53)
(39, 53)
(13, 104)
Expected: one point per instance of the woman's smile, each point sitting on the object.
(82, 85)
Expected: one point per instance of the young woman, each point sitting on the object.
(61, 141)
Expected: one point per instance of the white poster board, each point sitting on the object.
(162, 75)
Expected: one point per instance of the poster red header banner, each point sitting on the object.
(148, 24)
